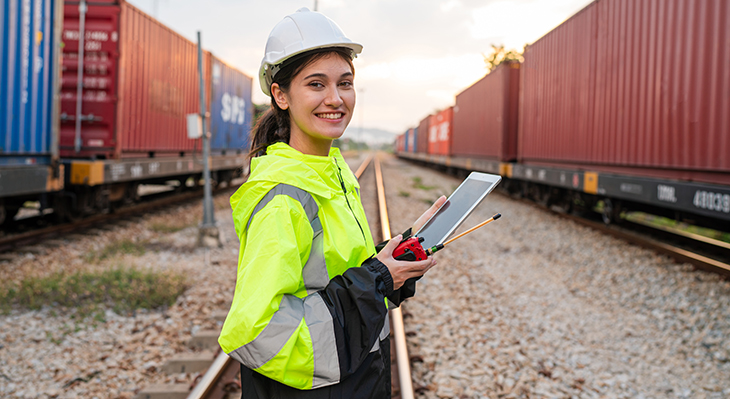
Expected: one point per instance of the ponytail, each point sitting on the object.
(274, 126)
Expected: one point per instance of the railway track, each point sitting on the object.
(217, 380)
(703, 253)
(15, 241)
(222, 373)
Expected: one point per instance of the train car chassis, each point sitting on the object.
(99, 186)
(577, 189)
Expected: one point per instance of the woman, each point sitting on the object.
(309, 313)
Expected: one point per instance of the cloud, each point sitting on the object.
(423, 70)
(418, 53)
(515, 23)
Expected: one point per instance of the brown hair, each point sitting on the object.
(274, 124)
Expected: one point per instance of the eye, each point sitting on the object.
(316, 84)
(346, 84)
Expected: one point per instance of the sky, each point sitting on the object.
(417, 56)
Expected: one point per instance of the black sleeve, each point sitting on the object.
(408, 289)
(356, 301)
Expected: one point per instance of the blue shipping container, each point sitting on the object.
(231, 108)
(29, 51)
(412, 139)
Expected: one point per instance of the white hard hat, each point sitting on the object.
(296, 33)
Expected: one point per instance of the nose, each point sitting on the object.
(333, 98)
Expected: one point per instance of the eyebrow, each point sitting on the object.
(322, 75)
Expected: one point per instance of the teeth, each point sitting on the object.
(336, 115)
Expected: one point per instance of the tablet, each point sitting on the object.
(457, 208)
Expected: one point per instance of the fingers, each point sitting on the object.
(430, 212)
(391, 245)
(418, 268)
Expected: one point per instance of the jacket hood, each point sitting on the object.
(284, 164)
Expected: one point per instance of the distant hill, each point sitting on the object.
(372, 136)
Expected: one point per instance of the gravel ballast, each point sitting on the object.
(50, 353)
(534, 306)
(530, 306)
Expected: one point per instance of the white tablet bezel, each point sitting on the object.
(490, 178)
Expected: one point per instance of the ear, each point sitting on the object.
(279, 96)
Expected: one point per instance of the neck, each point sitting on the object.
(311, 146)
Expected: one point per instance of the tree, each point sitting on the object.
(500, 55)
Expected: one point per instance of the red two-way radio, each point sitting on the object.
(412, 250)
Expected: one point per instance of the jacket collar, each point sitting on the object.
(284, 164)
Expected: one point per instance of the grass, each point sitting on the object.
(167, 228)
(418, 183)
(125, 246)
(404, 194)
(123, 289)
(659, 221)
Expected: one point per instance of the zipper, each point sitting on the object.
(344, 190)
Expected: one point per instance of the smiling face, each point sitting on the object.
(320, 101)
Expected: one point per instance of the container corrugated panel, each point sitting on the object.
(231, 110)
(406, 140)
(29, 47)
(422, 138)
(634, 84)
(485, 116)
(140, 80)
(440, 132)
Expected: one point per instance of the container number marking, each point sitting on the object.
(712, 201)
(666, 193)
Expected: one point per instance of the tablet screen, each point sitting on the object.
(458, 207)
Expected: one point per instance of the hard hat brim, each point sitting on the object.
(268, 70)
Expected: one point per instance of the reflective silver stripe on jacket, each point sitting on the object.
(384, 333)
(287, 319)
(314, 274)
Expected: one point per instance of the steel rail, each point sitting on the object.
(17, 240)
(209, 386)
(363, 166)
(679, 254)
(396, 316)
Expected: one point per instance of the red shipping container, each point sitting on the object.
(400, 143)
(485, 115)
(140, 80)
(640, 87)
(439, 132)
(422, 135)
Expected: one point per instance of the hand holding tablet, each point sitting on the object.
(449, 217)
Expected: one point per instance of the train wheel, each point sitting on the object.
(131, 193)
(563, 201)
(7, 213)
(611, 211)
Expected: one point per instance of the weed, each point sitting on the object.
(167, 228)
(404, 194)
(418, 183)
(125, 246)
(123, 289)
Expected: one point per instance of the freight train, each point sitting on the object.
(93, 103)
(626, 104)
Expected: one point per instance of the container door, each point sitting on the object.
(99, 91)
(27, 80)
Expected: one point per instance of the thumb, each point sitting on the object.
(392, 245)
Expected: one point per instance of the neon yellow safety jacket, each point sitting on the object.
(309, 309)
